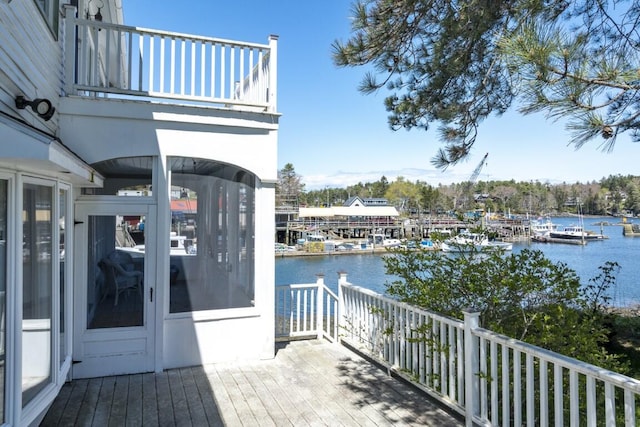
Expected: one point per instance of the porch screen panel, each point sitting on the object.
(37, 289)
(212, 234)
(3, 288)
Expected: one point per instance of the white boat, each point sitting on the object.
(466, 242)
(384, 241)
(179, 245)
(542, 228)
(575, 232)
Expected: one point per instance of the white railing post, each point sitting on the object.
(69, 48)
(319, 305)
(342, 277)
(472, 363)
(273, 73)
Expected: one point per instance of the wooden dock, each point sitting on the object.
(308, 383)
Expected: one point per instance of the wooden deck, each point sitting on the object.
(309, 383)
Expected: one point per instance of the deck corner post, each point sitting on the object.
(472, 364)
(319, 305)
(342, 277)
(273, 74)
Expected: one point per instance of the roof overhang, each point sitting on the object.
(30, 151)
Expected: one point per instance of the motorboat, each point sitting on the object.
(467, 242)
(179, 245)
(542, 228)
(575, 232)
(378, 240)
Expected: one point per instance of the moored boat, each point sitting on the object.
(575, 232)
(466, 242)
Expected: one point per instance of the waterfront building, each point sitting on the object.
(88, 108)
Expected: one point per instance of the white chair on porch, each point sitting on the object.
(120, 275)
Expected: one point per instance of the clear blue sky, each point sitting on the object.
(335, 136)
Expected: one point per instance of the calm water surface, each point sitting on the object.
(367, 270)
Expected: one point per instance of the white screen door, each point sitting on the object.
(114, 305)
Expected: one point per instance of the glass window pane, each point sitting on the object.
(3, 288)
(37, 287)
(212, 228)
(115, 272)
(62, 224)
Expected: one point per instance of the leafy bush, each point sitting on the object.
(522, 295)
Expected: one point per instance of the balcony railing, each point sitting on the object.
(306, 310)
(103, 59)
(489, 378)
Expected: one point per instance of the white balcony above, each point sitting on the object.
(116, 61)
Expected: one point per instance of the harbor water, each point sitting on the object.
(367, 270)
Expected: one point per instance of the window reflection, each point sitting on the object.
(37, 286)
(212, 229)
(3, 287)
(62, 203)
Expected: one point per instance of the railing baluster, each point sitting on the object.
(203, 71)
(223, 71)
(140, 61)
(544, 393)
(232, 71)
(529, 390)
(193, 68)
(506, 401)
(443, 359)
(517, 388)
(574, 399)
(495, 409)
(172, 73)
(163, 65)
(183, 65)
(213, 70)
(119, 58)
(107, 59)
(252, 78)
(609, 404)
(629, 409)
(151, 64)
(558, 396)
(484, 410)
(591, 402)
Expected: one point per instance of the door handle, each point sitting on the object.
(150, 294)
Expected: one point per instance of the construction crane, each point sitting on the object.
(467, 186)
(476, 171)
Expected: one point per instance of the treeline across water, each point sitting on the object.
(614, 195)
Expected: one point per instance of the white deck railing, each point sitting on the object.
(307, 310)
(103, 59)
(489, 378)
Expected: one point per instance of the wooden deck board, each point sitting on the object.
(149, 400)
(308, 383)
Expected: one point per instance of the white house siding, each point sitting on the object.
(30, 61)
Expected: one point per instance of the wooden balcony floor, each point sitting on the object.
(309, 383)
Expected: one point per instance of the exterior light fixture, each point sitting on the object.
(40, 106)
